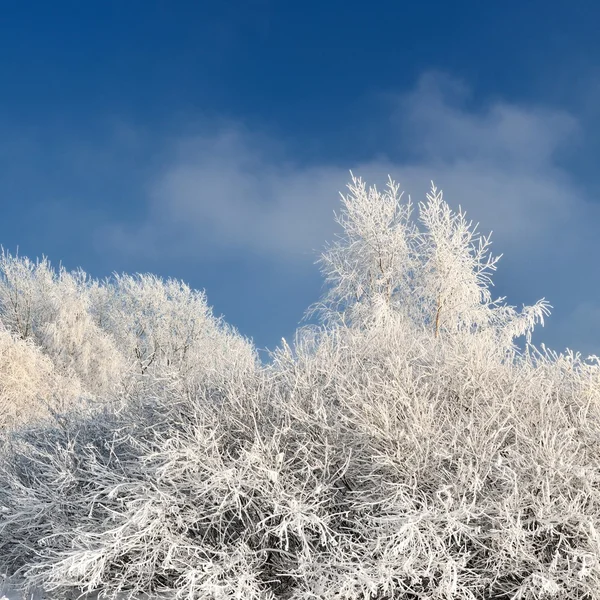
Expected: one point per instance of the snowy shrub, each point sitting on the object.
(406, 448)
(164, 328)
(112, 339)
(49, 310)
(30, 388)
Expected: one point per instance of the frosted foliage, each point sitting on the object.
(370, 267)
(50, 308)
(76, 344)
(29, 385)
(154, 322)
(24, 291)
(404, 449)
(118, 338)
(435, 277)
(165, 328)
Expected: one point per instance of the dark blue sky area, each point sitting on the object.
(183, 138)
(298, 67)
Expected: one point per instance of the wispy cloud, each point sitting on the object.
(232, 189)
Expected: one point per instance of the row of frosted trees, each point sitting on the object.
(406, 447)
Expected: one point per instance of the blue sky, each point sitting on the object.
(208, 141)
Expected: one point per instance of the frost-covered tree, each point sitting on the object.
(164, 326)
(24, 291)
(167, 333)
(436, 277)
(119, 336)
(48, 309)
(77, 346)
(30, 386)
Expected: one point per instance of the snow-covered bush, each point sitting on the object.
(406, 448)
(49, 310)
(112, 339)
(30, 387)
(166, 329)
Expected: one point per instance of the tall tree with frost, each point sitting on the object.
(435, 277)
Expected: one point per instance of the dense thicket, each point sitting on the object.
(405, 448)
(66, 339)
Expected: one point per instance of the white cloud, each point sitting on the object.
(228, 189)
(442, 128)
(226, 193)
